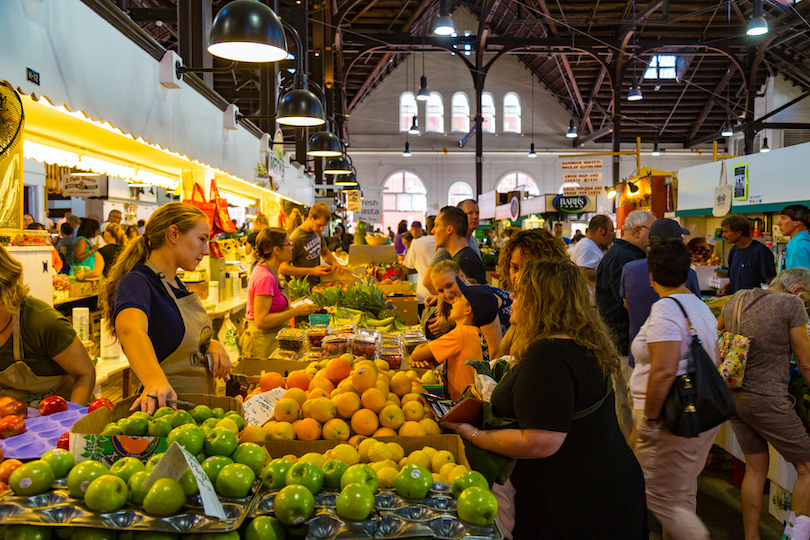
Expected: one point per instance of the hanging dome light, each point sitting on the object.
(656, 151)
(300, 107)
(247, 31)
(414, 129)
(407, 151)
(347, 180)
(444, 26)
(765, 148)
(337, 165)
(532, 153)
(757, 26)
(635, 91)
(572, 130)
(726, 131)
(325, 144)
(424, 93)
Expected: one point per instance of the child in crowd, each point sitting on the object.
(475, 308)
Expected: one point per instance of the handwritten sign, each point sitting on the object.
(582, 190)
(583, 178)
(259, 409)
(353, 202)
(581, 164)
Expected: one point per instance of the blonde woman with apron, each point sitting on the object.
(40, 354)
(268, 306)
(162, 326)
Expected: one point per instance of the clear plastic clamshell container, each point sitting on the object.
(335, 345)
(291, 339)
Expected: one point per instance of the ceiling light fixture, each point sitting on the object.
(633, 187)
(656, 151)
(414, 129)
(635, 90)
(337, 165)
(299, 107)
(247, 31)
(407, 151)
(424, 93)
(325, 144)
(611, 191)
(572, 130)
(765, 148)
(347, 180)
(757, 26)
(444, 24)
(726, 131)
(532, 153)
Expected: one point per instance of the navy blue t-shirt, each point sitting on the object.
(142, 289)
(748, 268)
(639, 295)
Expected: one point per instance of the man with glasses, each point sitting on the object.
(115, 216)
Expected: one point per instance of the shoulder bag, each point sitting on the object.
(734, 348)
(698, 400)
(722, 194)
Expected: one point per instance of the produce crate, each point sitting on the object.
(86, 441)
(247, 373)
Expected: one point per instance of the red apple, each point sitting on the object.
(15, 408)
(52, 404)
(6, 400)
(99, 403)
(8, 467)
(3, 487)
(11, 426)
(2, 456)
(64, 441)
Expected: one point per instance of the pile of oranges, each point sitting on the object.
(346, 400)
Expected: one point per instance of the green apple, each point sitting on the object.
(81, 475)
(134, 426)
(106, 493)
(211, 423)
(205, 431)
(200, 457)
(152, 462)
(220, 442)
(332, 473)
(293, 505)
(213, 465)
(274, 475)
(81, 533)
(235, 480)
(355, 502)
(124, 468)
(163, 411)
(189, 483)
(413, 482)
(27, 532)
(135, 485)
(218, 412)
(141, 414)
(264, 528)
(112, 430)
(61, 461)
(181, 417)
(201, 413)
(361, 474)
(188, 436)
(307, 475)
(160, 427)
(252, 455)
(236, 417)
(477, 506)
(467, 480)
(165, 497)
(31, 478)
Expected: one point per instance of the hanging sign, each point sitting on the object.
(81, 186)
(741, 182)
(583, 177)
(581, 164)
(371, 206)
(570, 191)
(514, 208)
(572, 205)
(353, 202)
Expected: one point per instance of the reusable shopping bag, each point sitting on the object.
(722, 194)
(222, 220)
(734, 349)
(198, 199)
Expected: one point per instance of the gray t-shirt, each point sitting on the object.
(766, 317)
(306, 251)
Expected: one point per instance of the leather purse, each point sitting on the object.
(698, 400)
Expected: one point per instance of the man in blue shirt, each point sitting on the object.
(558, 232)
(794, 222)
(750, 263)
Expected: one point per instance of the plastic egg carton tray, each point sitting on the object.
(41, 433)
(57, 508)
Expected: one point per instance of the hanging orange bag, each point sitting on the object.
(198, 200)
(222, 220)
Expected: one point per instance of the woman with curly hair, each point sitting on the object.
(556, 416)
(522, 247)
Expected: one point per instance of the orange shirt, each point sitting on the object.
(462, 343)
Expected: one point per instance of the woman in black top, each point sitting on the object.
(574, 475)
(114, 244)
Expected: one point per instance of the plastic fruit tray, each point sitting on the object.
(57, 508)
(392, 517)
(41, 433)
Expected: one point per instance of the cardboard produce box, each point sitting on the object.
(247, 373)
(451, 442)
(87, 443)
(348, 275)
(408, 306)
(403, 287)
(80, 289)
(364, 254)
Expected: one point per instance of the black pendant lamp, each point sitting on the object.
(337, 165)
(299, 107)
(247, 31)
(325, 144)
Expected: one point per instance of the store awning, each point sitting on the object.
(56, 135)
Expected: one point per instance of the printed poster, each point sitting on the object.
(741, 182)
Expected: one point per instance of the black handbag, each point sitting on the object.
(698, 400)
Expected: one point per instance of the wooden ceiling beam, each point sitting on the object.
(710, 104)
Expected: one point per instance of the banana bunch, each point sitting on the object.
(389, 325)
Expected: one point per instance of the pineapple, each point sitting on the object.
(385, 313)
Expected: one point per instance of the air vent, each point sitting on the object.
(792, 137)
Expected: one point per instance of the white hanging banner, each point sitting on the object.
(583, 178)
(581, 164)
(569, 191)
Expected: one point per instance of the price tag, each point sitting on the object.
(259, 409)
(173, 464)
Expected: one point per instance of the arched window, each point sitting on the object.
(512, 181)
(435, 113)
(488, 113)
(511, 113)
(404, 197)
(461, 112)
(407, 110)
(459, 192)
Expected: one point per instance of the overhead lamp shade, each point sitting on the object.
(757, 26)
(325, 144)
(726, 131)
(633, 187)
(300, 107)
(407, 151)
(444, 26)
(656, 151)
(414, 129)
(635, 91)
(532, 153)
(765, 148)
(424, 93)
(337, 165)
(572, 130)
(347, 180)
(247, 31)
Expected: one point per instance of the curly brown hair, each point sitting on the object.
(553, 299)
(534, 244)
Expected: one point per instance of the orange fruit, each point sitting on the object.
(401, 384)
(393, 398)
(355, 440)
(363, 378)
(295, 393)
(382, 385)
(253, 434)
(336, 429)
(268, 427)
(410, 397)
(323, 383)
(347, 404)
(430, 425)
(365, 422)
(374, 400)
(371, 364)
(271, 380)
(308, 429)
(385, 432)
(298, 379)
(412, 429)
(337, 369)
(316, 393)
(413, 411)
(322, 409)
(305, 409)
(287, 410)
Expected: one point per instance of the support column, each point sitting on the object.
(617, 126)
(750, 58)
(194, 18)
(479, 134)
